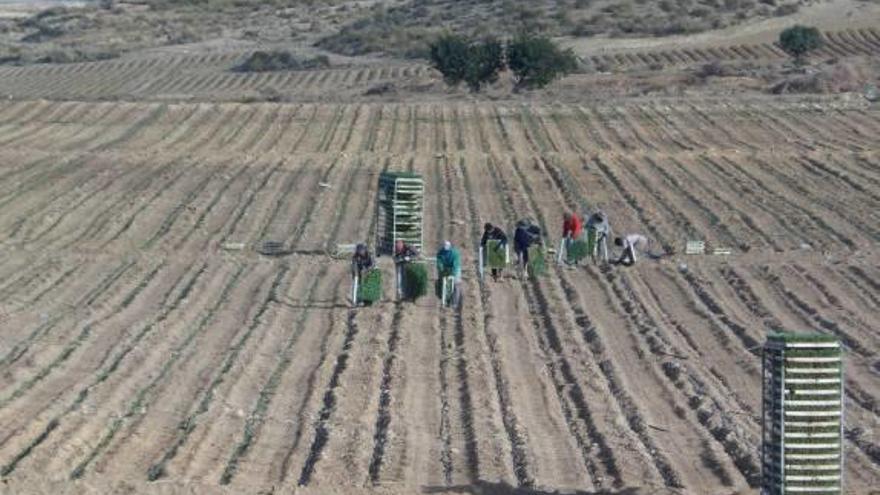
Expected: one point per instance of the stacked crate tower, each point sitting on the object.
(399, 211)
(802, 448)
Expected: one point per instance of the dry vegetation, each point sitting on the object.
(108, 29)
(404, 30)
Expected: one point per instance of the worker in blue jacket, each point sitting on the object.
(449, 264)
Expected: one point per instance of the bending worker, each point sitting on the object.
(361, 262)
(630, 244)
(572, 229)
(404, 253)
(598, 223)
(449, 264)
(493, 233)
(525, 236)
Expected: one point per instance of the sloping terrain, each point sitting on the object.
(209, 76)
(406, 28)
(137, 352)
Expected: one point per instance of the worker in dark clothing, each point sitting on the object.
(404, 253)
(493, 233)
(525, 236)
(598, 224)
(361, 261)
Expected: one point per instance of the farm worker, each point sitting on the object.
(598, 222)
(449, 264)
(524, 237)
(361, 261)
(493, 233)
(631, 244)
(404, 253)
(572, 227)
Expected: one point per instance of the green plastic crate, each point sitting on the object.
(495, 255)
(370, 288)
(415, 281)
(537, 263)
(577, 250)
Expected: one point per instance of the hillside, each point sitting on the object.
(108, 28)
(403, 30)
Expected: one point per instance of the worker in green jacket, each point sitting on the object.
(449, 265)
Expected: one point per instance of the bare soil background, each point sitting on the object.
(139, 354)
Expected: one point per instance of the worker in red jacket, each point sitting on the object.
(572, 226)
(572, 229)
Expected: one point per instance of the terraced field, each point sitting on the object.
(179, 76)
(208, 76)
(136, 351)
(840, 43)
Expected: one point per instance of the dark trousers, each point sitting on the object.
(628, 258)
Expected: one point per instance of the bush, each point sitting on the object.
(460, 60)
(797, 41)
(449, 55)
(71, 56)
(713, 69)
(787, 9)
(485, 61)
(279, 60)
(536, 61)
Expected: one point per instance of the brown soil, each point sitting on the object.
(136, 347)
(142, 351)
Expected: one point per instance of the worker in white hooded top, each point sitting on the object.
(631, 244)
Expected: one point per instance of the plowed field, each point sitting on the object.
(136, 351)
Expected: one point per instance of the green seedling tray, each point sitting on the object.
(495, 255)
(370, 288)
(415, 281)
(537, 263)
(577, 250)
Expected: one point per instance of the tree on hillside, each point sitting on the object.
(536, 61)
(461, 60)
(485, 61)
(449, 55)
(798, 40)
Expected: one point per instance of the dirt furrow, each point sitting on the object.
(255, 420)
(136, 409)
(573, 399)
(29, 380)
(106, 370)
(86, 299)
(628, 406)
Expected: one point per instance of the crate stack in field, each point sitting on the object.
(400, 208)
(802, 448)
